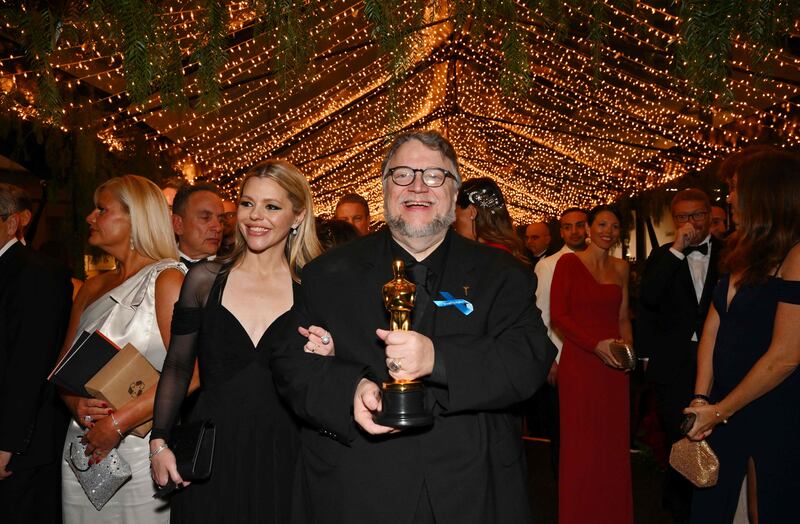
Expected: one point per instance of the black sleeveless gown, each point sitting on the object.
(767, 429)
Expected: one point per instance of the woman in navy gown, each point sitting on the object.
(229, 317)
(747, 392)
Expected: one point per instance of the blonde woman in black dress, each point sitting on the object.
(229, 317)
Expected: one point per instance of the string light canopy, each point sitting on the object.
(563, 103)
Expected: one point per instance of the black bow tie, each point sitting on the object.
(190, 263)
(702, 249)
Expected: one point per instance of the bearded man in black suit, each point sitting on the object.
(675, 295)
(35, 300)
(469, 465)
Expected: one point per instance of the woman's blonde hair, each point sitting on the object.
(151, 226)
(301, 246)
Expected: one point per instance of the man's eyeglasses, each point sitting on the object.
(696, 216)
(405, 176)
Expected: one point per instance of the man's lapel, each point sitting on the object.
(712, 275)
(459, 281)
(372, 271)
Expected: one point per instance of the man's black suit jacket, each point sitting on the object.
(471, 460)
(35, 301)
(669, 313)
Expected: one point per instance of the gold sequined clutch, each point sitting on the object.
(696, 461)
(624, 354)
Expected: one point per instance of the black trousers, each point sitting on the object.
(671, 399)
(31, 495)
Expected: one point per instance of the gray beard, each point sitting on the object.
(400, 227)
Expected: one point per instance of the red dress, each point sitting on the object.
(594, 480)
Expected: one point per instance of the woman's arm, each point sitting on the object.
(105, 435)
(561, 296)
(625, 327)
(82, 407)
(780, 360)
(705, 353)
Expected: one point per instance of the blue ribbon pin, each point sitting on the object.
(465, 306)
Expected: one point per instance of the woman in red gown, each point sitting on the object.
(589, 306)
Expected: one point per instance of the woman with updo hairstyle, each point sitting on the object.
(481, 215)
(589, 308)
(130, 304)
(747, 392)
(229, 317)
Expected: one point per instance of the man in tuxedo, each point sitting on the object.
(35, 300)
(537, 240)
(354, 209)
(719, 222)
(228, 228)
(479, 351)
(170, 187)
(198, 218)
(543, 408)
(674, 298)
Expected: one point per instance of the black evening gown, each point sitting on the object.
(257, 439)
(767, 429)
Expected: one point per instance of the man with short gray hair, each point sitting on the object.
(35, 300)
(476, 362)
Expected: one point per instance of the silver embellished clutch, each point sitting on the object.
(624, 354)
(99, 481)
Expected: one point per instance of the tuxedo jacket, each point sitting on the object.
(669, 313)
(35, 301)
(471, 459)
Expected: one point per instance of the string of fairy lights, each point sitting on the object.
(593, 124)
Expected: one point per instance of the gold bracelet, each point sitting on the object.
(719, 417)
(116, 426)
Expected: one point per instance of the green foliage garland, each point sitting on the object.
(153, 61)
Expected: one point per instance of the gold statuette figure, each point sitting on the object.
(399, 296)
(403, 400)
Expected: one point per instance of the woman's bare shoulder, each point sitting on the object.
(790, 269)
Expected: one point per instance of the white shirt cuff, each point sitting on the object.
(677, 253)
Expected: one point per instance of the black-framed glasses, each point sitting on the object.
(696, 216)
(431, 176)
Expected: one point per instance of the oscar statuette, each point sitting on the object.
(403, 400)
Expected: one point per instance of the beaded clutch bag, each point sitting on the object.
(696, 461)
(624, 354)
(99, 481)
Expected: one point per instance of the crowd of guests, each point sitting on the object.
(270, 322)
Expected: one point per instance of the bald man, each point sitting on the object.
(537, 240)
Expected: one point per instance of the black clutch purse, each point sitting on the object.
(193, 446)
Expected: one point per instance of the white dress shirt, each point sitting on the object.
(7, 246)
(544, 275)
(698, 268)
